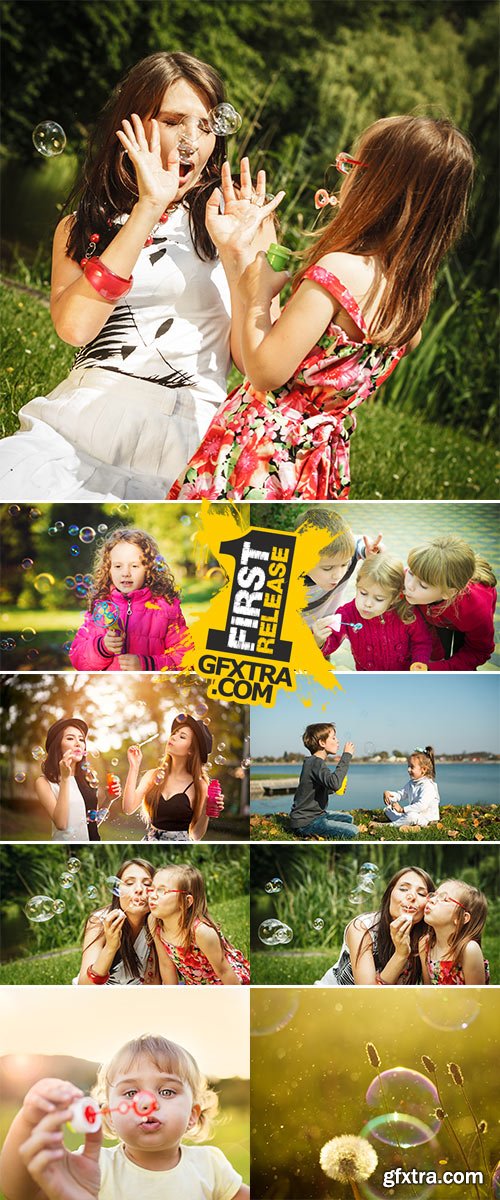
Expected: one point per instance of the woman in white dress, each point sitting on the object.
(144, 278)
(62, 788)
(116, 945)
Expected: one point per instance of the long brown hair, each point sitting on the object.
(388, 573)
(406, 207)
(476, 905)
(125, 952)
(50, 768)
(385, 944)
(190, 880)
(450, 564)
(194, 767)
(107, 184)
(158, 576)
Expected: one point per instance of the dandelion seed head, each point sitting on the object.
(348, 1158)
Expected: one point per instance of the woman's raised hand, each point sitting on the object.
(400, 933)
(245, 210)
(112, 925)
(66, 764)
(134, 755)
(157, 185)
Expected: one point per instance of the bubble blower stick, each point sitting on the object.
(147, 740)
(107, 616)
(214, 793)
(87, 1115)
(334, 624)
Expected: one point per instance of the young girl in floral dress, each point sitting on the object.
(451, 952)
(187, 940)
(357, 307)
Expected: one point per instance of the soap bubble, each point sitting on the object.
(52, 531)
(122, 508)
(86, 534)
(88, 581)
(70, 582)
(74, 550)
(159, 563)
(114, 883)
(74, 865)
(369, 748)
(101, 815)
(28, 634)
(114, 762)
(102, 528)
(67, 879)
(8, 643)
(366, 884)
(34, 513)
(27, 563)
(223, 119)
(368, 868)
(58, 907)
(390, 1157)
(80, 590)
(40, 908)
(272, 1010)
(58, 525)
(201, 709)
(495, 1183)
(404, 1093)
(184, 520)
(356, 898)
(274, 885)
(246, 762)
(91, 815)
(274, 933)
(318, 924)
(221, 745)
(20, 776)
(455, 1010)
(13, 510)
(72, 529)
(159, 777)
(38, 753)
(44, 582)
(31, 655)
(219, 759)
(49, 139)
(92, 892)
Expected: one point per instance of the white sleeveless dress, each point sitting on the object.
(140, 396)
(77, 829)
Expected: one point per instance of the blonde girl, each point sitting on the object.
(455, 591)
(451, 952)
(172, 797)
(187, 940)
(384, 633)
(152, 1157)
(134, 621)
(418, 801)
(357, 307)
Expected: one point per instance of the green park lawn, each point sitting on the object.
(464, 823)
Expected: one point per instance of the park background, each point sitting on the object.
(73, 1032)
(320, 883)
(119, 713)
(49, 951)
(307, 77)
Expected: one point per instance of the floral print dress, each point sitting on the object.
(193, 965)
(447, 972)
(293, 442)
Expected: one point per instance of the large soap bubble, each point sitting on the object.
(403, 1157)
(404, 1093)
(448, 1009)
(272, 1010)
(274, 933)
(49, 138)
(223, 119)
(40, 908)
(274, 885)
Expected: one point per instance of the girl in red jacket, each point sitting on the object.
(385, 634)
(134, 622)
(455, 591)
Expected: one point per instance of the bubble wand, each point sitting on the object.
(86, 1116)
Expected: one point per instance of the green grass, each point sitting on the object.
(396, 454)
(464, 823)
(61, 966)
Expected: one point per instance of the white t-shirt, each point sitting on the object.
(203, 1173)
(420, 800)
(77, 829)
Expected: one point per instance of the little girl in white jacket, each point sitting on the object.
(417, 803)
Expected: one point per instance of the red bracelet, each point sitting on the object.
(95, 978)
(110, 286)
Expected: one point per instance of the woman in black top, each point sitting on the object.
(172, 797)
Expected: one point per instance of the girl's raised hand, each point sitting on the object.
(113, 640)
(60, 1174)
(157, 185)
(112, 925)
(45, 1096)
(134, 755)
(374, 547)
(245, 210)
(400, 933)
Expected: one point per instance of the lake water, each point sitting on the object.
(458, 783)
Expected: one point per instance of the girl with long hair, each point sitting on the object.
(384, 633)
(134, 621)
(456, 592)
(357, 307)
(450, 952)
(383, 947)
(63, 789)
(417, 803)
(173, 796)
(116, 948)
(189, 944)
(144, 279)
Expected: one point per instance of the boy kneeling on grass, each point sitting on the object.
(309, 816)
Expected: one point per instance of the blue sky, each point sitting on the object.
(384, 712)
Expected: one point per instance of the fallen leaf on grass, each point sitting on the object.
(453, 833)
(362, 828)
(479, 837)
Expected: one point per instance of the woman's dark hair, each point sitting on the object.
(125, 952)
(385, 945)
(50, 768)
(106, 187)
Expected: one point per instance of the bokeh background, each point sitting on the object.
(307, 77)
(120, 712)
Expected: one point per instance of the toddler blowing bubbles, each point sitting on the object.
(151, 1159)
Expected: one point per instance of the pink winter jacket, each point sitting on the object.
(155, 630)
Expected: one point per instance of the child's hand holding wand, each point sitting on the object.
(61, 1174)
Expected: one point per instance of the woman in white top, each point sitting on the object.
(417, 803)
(144, 278)
(116, 947)
(62, 788)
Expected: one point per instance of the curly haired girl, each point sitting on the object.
(134, 622)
